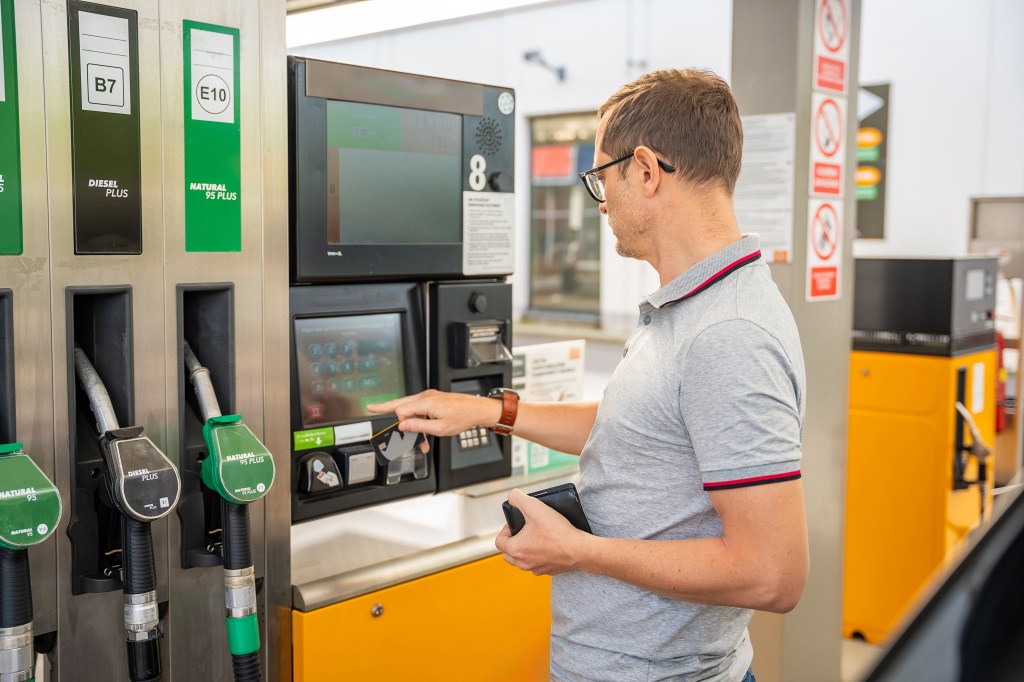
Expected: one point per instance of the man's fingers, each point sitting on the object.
(502, 539)
(431, 427)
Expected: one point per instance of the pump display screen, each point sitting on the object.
(345, 362)
(394, 175)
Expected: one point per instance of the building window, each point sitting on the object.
(565, 224)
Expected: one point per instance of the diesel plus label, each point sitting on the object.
(104, 63)
(213, 168)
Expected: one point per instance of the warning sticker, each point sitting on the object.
(828, 145)
(831, 45)
(824, 249)
(488, 222)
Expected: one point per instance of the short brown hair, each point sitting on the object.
(687, 115)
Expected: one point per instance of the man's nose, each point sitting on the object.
(603, 207)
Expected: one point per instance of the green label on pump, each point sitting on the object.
(213, 139)
(239, 466)
(313, 438)
(29, 503)
(10, 145)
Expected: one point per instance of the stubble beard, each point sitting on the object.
(633, 230)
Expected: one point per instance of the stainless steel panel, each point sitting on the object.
(90, 630)
(331, 590)
(28, 276)
(276, 593)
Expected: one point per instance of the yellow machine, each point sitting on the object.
(904, 515)
(483, 620)
(923, 343)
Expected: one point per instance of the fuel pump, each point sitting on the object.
(30, 509)
(241, 470)
(143, 485)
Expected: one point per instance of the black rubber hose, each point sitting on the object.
(247, 667)
(235, 537)
(144, 661)
(15, 588)
(137, 556)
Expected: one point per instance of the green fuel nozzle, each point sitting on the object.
(145, 486)
(30, 510)
(241, 470)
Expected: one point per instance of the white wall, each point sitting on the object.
(956, 116)
(601, 43)
(956, 111)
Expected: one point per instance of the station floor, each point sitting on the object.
(602, 355)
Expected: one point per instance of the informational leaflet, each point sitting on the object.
(764, 192)
(488, 226)
(548, 372)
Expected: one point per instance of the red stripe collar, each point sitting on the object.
(721, 274)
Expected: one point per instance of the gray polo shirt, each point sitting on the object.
(709, 395)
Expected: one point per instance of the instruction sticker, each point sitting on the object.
(488, 223)
(105, 63)
(828, 145)
(764, 191)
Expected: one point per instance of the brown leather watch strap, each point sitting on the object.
(509, 410)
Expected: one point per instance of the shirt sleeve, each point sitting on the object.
(741, 400)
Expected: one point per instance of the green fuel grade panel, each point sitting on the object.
(10, 141)
(213, 138)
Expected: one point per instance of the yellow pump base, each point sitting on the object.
(484, 620)
(904, 520)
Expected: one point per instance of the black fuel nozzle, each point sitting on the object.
(144, 486)
(977, 449)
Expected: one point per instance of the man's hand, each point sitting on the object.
(441, 414)
(547, 545)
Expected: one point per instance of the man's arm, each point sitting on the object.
(760, 562)
(562, 426)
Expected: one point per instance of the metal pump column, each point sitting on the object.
(144, 486)
(240, 468)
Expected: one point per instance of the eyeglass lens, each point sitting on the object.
(596, 187)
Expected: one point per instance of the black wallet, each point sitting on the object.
(564, 499)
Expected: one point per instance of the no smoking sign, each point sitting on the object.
(824, 249)
(831, 45)
(828, 146)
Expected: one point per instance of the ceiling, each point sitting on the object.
(295, 6)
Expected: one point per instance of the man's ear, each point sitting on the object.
(650, 172)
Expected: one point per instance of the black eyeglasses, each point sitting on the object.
(595, 185)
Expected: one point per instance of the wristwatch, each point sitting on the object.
(509, 408)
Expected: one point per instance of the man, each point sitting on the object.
(690, 465)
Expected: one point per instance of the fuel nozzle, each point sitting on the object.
(30, 509)
(977, 449)
(241, 470)
(144, 486)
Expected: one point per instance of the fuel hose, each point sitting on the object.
(17, 656)
(240, 592)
